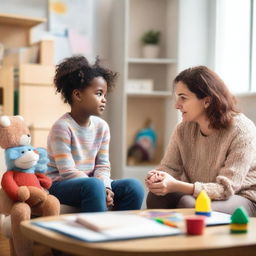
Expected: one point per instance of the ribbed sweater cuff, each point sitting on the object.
(197, 188)
(107, 183)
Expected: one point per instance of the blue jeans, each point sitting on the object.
(89, 194)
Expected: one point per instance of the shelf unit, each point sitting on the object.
(128, 110)
(33, 83)
(152, 61)
(15, 30)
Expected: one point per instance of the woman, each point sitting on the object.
(212, 149)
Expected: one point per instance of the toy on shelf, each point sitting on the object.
(143, 149)
(239, 221)
(24, 184)
(203, 204)
(195, 224)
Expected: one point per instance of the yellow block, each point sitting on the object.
(203, 202)
(238, 226)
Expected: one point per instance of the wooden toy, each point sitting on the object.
(195, 224)
(239, 221)
(203, 204)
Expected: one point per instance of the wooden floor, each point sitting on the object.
(4, 247)
(39, 250)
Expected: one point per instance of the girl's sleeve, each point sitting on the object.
(234, 171)
(59, 149)
(102, 164)
(172, 162)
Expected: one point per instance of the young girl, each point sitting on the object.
(213, 149)
(78, 143)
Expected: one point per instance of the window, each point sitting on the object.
(234, 60)
(253, 60)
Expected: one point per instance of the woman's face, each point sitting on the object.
(192, 108)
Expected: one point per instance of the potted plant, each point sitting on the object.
(150, 40)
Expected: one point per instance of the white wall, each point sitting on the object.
(35, 8)
(195, 33)
(247, 105)
(102, 20)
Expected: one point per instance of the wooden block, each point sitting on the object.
(238, 226)
(40, 106)
(239, 220)
(13, 36)
(203, 204)
(15, 29)
(34, 74)
(195, 224)
(39, 136)
(240, 216)
(7, 83)
(22, 55)
(47, 52)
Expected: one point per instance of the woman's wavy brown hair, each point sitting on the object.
(204, 82)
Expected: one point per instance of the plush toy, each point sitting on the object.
(143, 149)
(24, 184)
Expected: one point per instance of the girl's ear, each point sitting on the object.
(207, 102)
(76, 95)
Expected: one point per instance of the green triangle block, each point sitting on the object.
(240, 216)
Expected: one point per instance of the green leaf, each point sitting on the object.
(151, 37)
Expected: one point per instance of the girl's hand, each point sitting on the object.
(165, 184)
(109, 198)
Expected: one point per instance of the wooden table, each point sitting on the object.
(215, 241)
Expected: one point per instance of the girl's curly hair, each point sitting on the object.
(77, 73)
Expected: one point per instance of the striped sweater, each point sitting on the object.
(223, 163)
(76, 151)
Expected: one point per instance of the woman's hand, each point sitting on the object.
(109, 198)
(153, 176)
(161, 183)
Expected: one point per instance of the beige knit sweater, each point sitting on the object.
(223, 164)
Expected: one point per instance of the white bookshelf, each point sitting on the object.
(152, 61)
(153, 94)
(129, 110)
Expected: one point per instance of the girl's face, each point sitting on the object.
(92, 100)
(192, 108)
